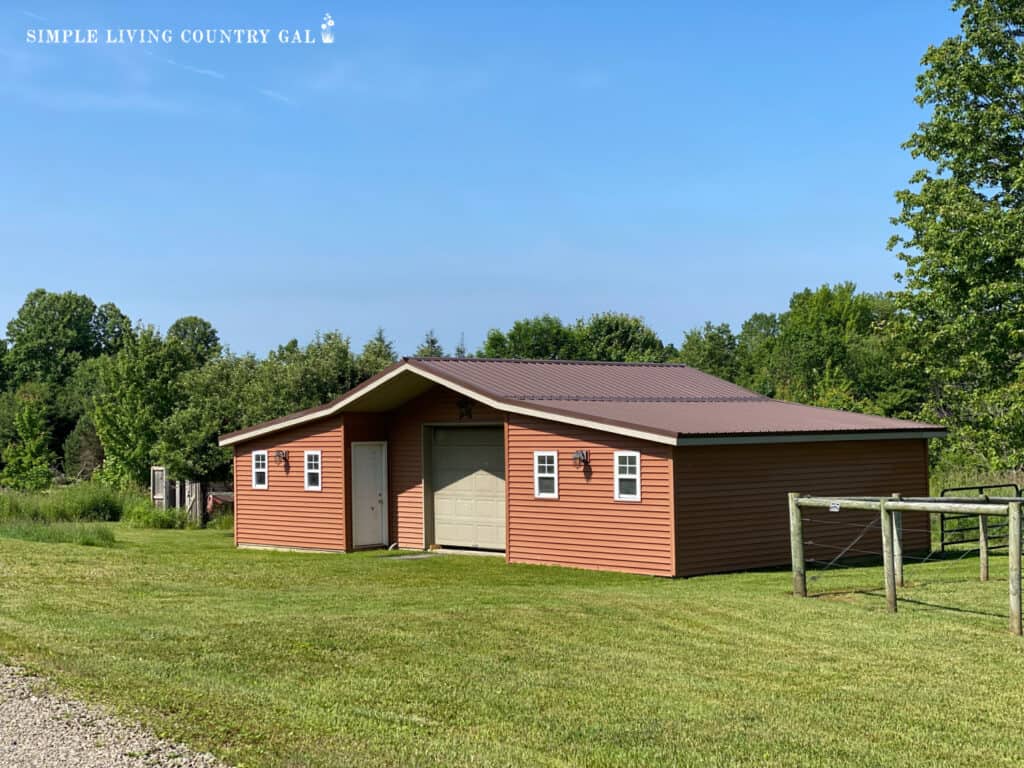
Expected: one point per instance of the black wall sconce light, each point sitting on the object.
(581, 459)
(280, 457)
(465, 406)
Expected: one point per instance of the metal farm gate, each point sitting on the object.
(965, 529)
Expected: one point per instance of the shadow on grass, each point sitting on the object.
(954, 609)
(880, 595)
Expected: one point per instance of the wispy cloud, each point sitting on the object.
(205, 72)
(35, 16)
(188, 67)
(275, 95)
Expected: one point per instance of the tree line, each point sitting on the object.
(85, 393)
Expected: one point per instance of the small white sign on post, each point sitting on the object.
(833, 506)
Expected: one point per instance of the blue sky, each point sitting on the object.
(457, 166)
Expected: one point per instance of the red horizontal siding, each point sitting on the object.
(585, 527)
(731, 501)
(285, 514)
(405, 443)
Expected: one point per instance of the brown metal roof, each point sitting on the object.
(661, 400)
(542, 380)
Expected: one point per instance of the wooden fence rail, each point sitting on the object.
(890, 511)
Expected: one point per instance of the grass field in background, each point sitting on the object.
(86, 534)
(286, 659)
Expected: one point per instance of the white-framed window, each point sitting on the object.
(545, 474)
(627, 476)
(311, 461)
(259, 469)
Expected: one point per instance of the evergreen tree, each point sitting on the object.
(377, 355)
(430, 347)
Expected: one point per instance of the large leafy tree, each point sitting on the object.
(293, 377)
(138, 390)
(28, 460)
(230, 392)
(51, 334)
(54, 336)
(755, 348)
(962, 226)
(544, 337)
(12, 401)
(833, 347)
(618, 337)
(812, 347)
(711, 349)
(197, 338)
(226, 394)
(111, 328)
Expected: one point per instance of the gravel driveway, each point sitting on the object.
(39, 729)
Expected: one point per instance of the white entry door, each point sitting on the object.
(369, 494)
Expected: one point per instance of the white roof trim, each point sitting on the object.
(818, 437)
(539, 413)
(306, 417)
(499, 405)
(480, 398)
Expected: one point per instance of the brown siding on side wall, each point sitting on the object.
(405, 455)
(585, 527)
(285, 514)
(731, 508)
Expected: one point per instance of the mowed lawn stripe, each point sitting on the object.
(286, 659)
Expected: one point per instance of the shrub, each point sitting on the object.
(70, 503)
(86, 534)
(141, 513)
(89, 502)
(225, 522)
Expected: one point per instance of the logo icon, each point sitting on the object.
(327, 30)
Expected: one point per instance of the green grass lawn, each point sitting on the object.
(284, 659)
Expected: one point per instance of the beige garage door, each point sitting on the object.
(469, 487)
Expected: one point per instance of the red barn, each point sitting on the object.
(646, 468)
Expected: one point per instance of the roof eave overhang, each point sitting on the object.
(552, 414)
(500, 404)
(809, 437)
(245, 435)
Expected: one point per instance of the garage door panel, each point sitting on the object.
(468, 475)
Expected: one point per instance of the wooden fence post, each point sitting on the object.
(887, 557)
(983, 547)
(897, 543)
(1014, 510)
(796, 546)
